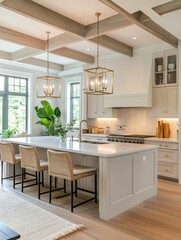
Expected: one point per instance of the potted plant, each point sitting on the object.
(62, 129)
(48, 116)
(7, 133)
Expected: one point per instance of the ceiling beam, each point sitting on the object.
(42, 63)
(22, 39)
(24, 53)
(149, 26)
(114, 45)
(42, 14)
(168, 7)
(5, 55)
(67, 52)
(107, 25)
(62, 40)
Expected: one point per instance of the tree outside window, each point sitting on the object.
(13, 103)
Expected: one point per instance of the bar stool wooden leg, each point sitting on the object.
(22, 178)
(65, 189)
(38, 185)
(14, 173)
(72, 192)
(50, 189)
(42, 179)
(76, 188)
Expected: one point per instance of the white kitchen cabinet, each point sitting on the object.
(96, 108)
(165, 65)
(168, 158)
(165, 101)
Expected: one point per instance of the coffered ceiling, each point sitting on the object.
(124, 26)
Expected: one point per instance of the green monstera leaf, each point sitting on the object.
(48, 116)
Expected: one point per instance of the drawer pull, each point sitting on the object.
(166, 146)
(166, 170)
(166, 155)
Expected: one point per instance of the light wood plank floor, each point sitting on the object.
(158, 218)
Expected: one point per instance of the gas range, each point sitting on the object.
(128, 138)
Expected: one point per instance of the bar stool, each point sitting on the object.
(30, 159)
(8, 155)
(60, 165)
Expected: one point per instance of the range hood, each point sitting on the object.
(128, 100)
(133, 83)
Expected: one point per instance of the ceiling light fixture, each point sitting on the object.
(48, 86)
(99, 80)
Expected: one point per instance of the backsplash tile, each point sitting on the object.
(137, 120)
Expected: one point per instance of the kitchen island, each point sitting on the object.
(127, 173)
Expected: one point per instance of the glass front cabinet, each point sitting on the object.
(165, 65)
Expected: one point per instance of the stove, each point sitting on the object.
(128, 138)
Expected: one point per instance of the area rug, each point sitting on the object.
(30, 221)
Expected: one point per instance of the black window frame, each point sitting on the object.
(6, 93)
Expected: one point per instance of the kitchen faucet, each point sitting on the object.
(80, 129)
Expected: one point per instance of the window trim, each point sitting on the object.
(5, 94)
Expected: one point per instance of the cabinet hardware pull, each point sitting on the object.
(166, 170)
(166, 155)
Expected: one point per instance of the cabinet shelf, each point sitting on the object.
(165, 68)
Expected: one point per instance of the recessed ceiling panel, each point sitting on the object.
(55, 59)
(135, 5)
(9, 47)
(143, 38)
(17, 22)
(82, 11)
(90, 48)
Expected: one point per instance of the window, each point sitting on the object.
(75, 102)
(13, 102)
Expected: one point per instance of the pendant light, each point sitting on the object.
(48, 86)
(99, 80)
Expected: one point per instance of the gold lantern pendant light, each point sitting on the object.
(48, 86)
(99, 80)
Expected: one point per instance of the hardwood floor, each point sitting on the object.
(158, 218)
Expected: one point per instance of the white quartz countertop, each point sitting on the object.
(101, 150)
(173, 140)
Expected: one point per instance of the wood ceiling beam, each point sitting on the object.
(107, 25)
(42, 14)
(5, 55)
(22, 39)
(67, 52)
(62, 40)
(114, 45)
(42, 63)
(149, 25)
(25, 53)
(168, 7)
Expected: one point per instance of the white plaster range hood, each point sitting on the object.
(133, 83)
(128, 100)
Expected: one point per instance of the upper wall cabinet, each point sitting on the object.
(165, 84)
(96, 108)
(165, 65)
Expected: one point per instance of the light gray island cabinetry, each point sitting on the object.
(127, 173)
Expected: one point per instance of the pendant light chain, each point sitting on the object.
(98, 14)
(48, 33)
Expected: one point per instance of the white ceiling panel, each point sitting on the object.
(90, 48)
(135, 5)
(143, 38)
(9, 46)
(26, 25)
(56, 59)
(82, 11)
